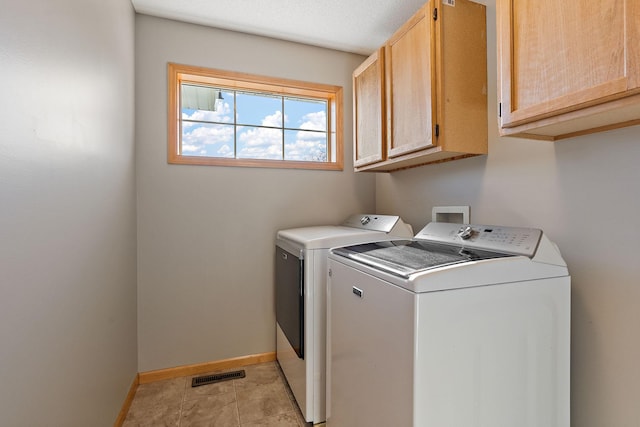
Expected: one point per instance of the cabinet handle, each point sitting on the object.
(357, 292)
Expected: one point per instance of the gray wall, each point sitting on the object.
(206, 234)
(67, 212)
(583, 192)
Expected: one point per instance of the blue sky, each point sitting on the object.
(255, 141)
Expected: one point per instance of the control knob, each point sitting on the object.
(465, 232)
(365, 220)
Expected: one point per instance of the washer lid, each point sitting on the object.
(406, 257)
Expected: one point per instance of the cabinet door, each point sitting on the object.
(410, 85)
(560, 56)
(368, 111)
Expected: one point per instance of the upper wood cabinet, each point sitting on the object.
(567, 68)
(434, 101)
(410, 80)
(368, 110)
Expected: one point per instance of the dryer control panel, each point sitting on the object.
(509, 240)
(392, 224)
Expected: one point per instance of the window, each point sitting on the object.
(233, 119)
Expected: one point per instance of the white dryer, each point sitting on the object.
(461, 326)
(301, 279)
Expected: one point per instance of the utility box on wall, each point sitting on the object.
(451, 214)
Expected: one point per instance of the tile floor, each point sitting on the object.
(261, 399)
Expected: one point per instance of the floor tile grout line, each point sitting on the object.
(235, 393)
(184, 397)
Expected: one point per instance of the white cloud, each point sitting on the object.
(274, 120)
(190, 148)
(207, 134)
(260, 137)
(225, 151)
(307, 146)
(204, 139)
(260, 143)
(224, 115)
(314, 121)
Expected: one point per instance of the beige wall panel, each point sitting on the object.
(68, 345)
(206, 234)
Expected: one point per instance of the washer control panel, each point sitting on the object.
(511, 240)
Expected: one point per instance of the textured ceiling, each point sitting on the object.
(358, 26)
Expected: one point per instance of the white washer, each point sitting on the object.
(301, 278)
(462, 326)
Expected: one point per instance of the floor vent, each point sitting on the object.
(210, 379)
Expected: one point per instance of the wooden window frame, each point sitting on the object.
(178, 73)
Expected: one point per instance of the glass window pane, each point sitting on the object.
(259, 110)
(209, 132)
(259, 143)
(223, 113)
(207, 139)
(305, 146)
(305, 114)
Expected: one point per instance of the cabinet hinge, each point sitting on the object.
(435, 13)
(437, 130)
(500, 109)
